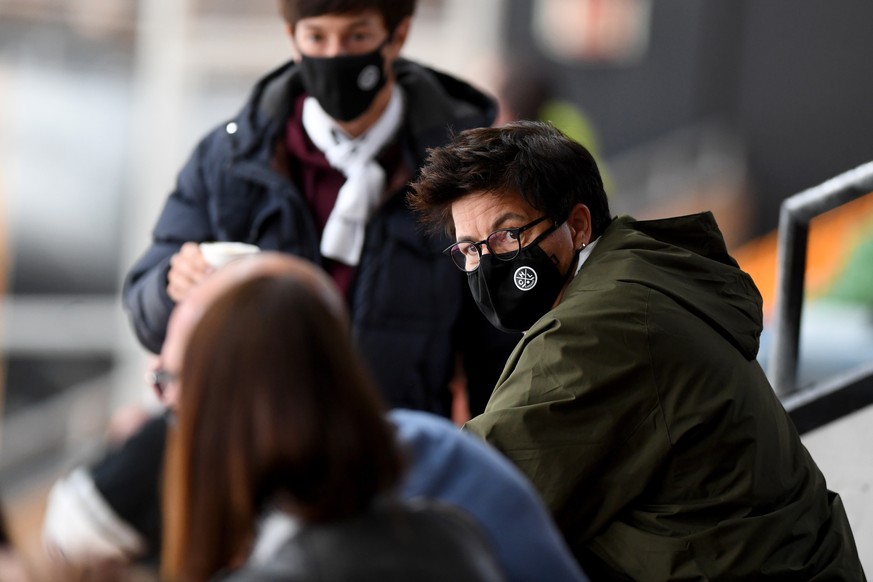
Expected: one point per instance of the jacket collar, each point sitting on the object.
(436, 102)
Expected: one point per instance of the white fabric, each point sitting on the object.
(362, 192)
(275, 530)
(82, 526)
(585, 253)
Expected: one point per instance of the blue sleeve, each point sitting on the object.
(459, 469)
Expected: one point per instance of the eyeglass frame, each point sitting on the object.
(516, 231)
(160, 379)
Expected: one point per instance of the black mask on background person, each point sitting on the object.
(344, 86)
(514, 294)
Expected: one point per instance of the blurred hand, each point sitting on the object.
(187, 269)
(12, 568)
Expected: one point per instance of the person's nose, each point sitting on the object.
(336, 47)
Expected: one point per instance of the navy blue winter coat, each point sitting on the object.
(411, 311)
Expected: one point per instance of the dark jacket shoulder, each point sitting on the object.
(426, 541)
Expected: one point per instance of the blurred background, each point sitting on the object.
(724, 105)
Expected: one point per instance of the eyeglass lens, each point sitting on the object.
(160, 379)
(504, 244)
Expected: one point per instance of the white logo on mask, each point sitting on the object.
(368, 77)
(525, 278)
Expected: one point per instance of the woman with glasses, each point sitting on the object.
(633, 401)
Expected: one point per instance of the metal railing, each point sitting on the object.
(814, 405)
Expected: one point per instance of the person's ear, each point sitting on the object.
(398, 39)
(579, 222)
(289, 32)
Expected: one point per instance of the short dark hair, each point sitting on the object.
(534, 159)
(275, 402)
(392, 11)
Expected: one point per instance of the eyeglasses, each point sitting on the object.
(160, 380)
(504, 244)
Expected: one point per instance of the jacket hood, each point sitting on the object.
(685, 258)
(436, 104)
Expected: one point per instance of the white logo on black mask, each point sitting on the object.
(369, 77)
(514, 294)
(525, 278)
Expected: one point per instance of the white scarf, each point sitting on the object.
(364, 188)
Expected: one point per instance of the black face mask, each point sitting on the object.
(514, 294)
(344, 86)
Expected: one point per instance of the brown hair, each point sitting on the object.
(549, 170)
(274, 404)
(392, 11)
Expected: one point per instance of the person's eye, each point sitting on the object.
(501, 237)
(502, 241)
(467, 249)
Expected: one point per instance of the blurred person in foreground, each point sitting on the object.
(88, 508)
(276, 415)
(634, 401)
(316, 165)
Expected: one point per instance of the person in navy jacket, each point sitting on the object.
(316, 164)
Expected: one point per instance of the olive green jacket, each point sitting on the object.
(637, 408)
